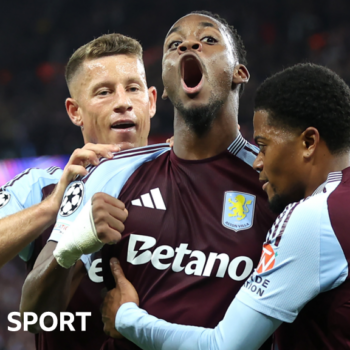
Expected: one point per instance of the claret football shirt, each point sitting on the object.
(194, 231)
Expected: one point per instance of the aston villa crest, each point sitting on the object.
(238, 210)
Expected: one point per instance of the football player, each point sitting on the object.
(111, 103)
(301, 284)
(197, 213)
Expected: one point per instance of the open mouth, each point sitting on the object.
(123, 124)
(191, 72)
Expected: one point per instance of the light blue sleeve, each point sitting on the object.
(109, 177)
(24, 191)
(301, 258)
(242, 328)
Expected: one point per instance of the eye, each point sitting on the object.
(133, 89)
(261, 147)
(103, 93)
(209, 40)
(174, 44)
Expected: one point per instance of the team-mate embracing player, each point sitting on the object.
(111, 104)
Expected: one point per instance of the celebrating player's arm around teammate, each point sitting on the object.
(302, 127)
(24, 216)
(111, 103)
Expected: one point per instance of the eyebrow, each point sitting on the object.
(172, 30)
(206, 24)
(202, 24)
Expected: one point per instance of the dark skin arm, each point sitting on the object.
(46, 269)
(50, 287)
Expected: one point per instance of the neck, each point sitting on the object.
(324, 164)
(188, 145)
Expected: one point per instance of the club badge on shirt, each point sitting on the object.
(238, 210)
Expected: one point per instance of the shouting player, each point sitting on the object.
(197, 213)
(111, 103)
(302, 127)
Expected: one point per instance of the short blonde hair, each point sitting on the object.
(105, 45)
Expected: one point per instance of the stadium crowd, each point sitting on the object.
(38, 38)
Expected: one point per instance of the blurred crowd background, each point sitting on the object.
(37, 38)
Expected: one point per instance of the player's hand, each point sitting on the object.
(170, 141)
(109, 214)
(76, 165)
(124, 292)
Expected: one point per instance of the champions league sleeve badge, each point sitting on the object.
(72, 198)
(238, 210)
(4, 198)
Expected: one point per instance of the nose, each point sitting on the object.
(258, 164)
(123, 102)
(189, 45)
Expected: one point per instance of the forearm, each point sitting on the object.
(20, 229)
(48, 287)
(241, 329)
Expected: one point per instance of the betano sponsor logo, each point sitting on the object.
(164, 256)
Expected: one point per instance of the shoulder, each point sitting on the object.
(27, 189)
(299, 220)
(243, 150)
(126, 161)
(33, 175)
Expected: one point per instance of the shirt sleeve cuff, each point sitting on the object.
(123, 315)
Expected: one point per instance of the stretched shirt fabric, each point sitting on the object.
(305, 259)
(195, 228)
(25, 190)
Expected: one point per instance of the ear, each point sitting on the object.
(165, 95)
(72, 108)
(240, 74)
(152, 93)
(311, 140)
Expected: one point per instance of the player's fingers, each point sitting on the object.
(115, 224)
(108, 235)
(117, 271)
(117, 213)
(84, 157)
(73, 171)
(170, 141)
(105, 151)
(106, 198)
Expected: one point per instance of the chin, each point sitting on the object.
(125, 145)
(278, 202)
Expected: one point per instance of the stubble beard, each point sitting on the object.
(200, 119)
(278, 203)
